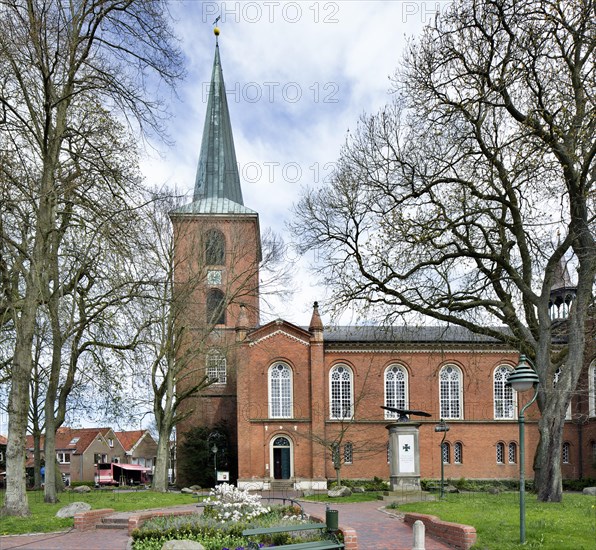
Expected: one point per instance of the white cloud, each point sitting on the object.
(298, 75)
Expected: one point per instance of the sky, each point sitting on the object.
(298, 75)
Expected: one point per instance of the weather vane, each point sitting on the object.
(403, 413)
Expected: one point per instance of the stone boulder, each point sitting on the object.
(358, 490)
(182, 545)
(186, 491)
(72, 509)
(589, 491)
(196, 487)
(337, 492)
(82, 489)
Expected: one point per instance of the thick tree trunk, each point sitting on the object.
(548, 479)
(15, 500)
(37, 480)
(50, 493)
(160, 475)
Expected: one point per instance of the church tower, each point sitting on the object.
(217, 250)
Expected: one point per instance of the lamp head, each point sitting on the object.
(523, 377)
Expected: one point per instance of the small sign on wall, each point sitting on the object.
(223, 476)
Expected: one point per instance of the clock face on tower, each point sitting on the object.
(214, 277)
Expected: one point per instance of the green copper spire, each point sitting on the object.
(217, 184)
(217, 174)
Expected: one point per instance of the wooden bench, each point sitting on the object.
(330, 544)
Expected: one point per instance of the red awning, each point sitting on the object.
(136, 467)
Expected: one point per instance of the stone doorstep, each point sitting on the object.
(113, 522)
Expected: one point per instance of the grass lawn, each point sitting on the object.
(43, 516)
(570, 524)
(354, 497)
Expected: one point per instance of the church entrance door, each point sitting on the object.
(282, 463)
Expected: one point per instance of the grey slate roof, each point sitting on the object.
(217, 184)
(403, 334)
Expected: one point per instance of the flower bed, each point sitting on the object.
(227, 512)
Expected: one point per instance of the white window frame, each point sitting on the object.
(566, 453)
(512, 452)
(61, 457)
(338, 391)
(500, 453)
(458, 453)
(592, 389)
(504, 397)
(453, 397)
(281, 395)
(446, 452)
(393, 386)
(348, 453)
(216, 366)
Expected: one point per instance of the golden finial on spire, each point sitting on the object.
(216, 28)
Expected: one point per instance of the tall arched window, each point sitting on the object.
(280, 391)
(503, 395)
(216, 366)
(340, 390)
(512, 453)
(566, 453)
(215, 247)
(458, 453)
(592, 388)
(348, 453)
(446, 453)
(216, 307)
(396, 389)
(450, 392)
(500, 453)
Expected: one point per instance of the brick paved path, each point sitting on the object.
(376, 530)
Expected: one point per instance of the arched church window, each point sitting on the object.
(280, 391)
(450, 392)
(592, 389)
(340, 379)
(216, 307)
(396, 389)
(215, 245)
(503, 395)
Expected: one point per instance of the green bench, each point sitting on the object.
(329, 544)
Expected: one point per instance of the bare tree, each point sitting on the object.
(448, 202)
(180, 333)
(62, 66)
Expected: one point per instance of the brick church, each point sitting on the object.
(300, 401)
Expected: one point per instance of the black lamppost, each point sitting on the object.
(214, 451)
(522, 379)
(442, 427)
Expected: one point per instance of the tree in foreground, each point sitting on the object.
(70, 72)
(461, 199)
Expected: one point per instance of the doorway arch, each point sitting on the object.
(282, 457)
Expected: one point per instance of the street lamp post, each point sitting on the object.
(442, 427)
(522, 379)
(214, 451)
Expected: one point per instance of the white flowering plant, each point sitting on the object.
(228, 503)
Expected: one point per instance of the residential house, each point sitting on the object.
(139, 447)
(80, 450)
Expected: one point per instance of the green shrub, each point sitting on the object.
(578, 484)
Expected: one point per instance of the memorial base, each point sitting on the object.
(404, 483)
